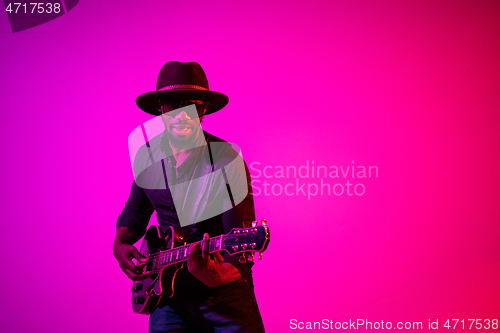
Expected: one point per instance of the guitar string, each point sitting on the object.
(180, 252)
(181, 248)
(213, 242)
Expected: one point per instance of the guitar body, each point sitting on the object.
(165, 257)
(147, 294)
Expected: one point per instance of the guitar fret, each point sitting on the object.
(180, 253)
(238, 240)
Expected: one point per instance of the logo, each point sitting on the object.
(26, 15)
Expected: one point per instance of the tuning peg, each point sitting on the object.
(254, 224)
(260, 255)
(246, 224)
(242, 259)
(263, 222)
(250, 257)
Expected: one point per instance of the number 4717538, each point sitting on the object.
(39, 6)
(473, 323)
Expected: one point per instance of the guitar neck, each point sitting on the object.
(179, 254)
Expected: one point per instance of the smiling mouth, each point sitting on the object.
(182, 128)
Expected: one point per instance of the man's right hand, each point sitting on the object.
(124, 253)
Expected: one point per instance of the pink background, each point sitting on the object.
(411, 87)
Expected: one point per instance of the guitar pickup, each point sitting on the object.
(137, 287)
(139, 300)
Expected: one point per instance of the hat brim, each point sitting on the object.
(148, 102)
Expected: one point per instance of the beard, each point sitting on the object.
(184, 142)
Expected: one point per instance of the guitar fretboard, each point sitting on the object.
(179, 254)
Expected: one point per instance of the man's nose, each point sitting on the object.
(183, 116)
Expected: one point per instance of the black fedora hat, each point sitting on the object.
(178, 80)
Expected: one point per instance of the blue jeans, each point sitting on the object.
(230, 308)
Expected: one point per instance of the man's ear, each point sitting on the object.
(207, 105)
(159, 105)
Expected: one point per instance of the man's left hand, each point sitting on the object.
(212, 272)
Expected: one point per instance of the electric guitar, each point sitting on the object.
(164, 260)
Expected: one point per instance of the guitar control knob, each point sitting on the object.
(254, 230)
(236, 232)
(244, 246)
(245, 232)
(253, 245)
(235, 247)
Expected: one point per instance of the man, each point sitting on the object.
(196, 181)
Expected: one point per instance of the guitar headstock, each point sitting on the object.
(252, 238)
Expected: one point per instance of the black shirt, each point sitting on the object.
(211, 190)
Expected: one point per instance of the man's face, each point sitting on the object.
(183, 126)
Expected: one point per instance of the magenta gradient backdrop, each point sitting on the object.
(411, 87)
